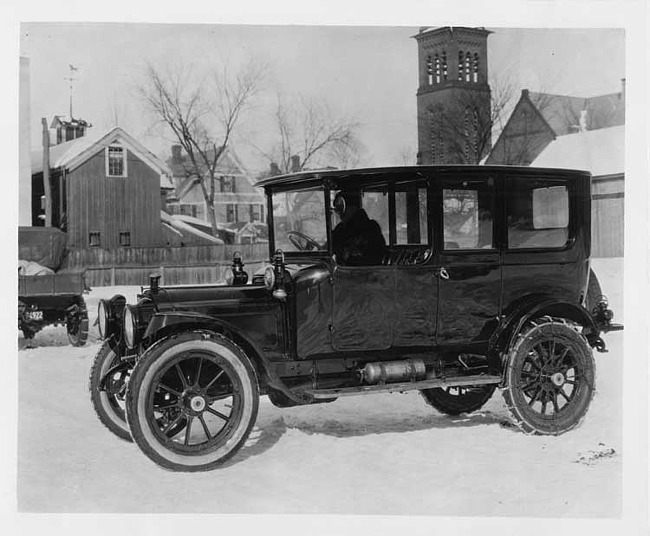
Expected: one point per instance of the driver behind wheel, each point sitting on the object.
(356, 239)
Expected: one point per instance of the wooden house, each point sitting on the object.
(236, 202)
(106, 189)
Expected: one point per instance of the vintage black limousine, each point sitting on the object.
(448, 280)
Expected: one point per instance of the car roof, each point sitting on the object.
(398, 172)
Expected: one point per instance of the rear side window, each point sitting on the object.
(537, 214)
(468, 214)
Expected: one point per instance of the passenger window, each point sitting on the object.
(468, 211)
(376, 206)
(411, 215)
(537, 215)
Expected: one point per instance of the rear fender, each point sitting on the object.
(535, 307)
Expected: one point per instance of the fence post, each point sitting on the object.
(112, 276)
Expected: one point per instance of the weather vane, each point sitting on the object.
(71, 79)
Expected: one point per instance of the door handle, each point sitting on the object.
(442, 273)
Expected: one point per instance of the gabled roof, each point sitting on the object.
(71, 154)
(228, 164)
(601, 151)
(564, 113)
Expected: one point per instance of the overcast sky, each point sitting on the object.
(366, 73)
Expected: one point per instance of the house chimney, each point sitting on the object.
(275, 169)
(46, 174)
(176, 154)
(623, 87)
(295, 163)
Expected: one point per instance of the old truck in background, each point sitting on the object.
(48, 294)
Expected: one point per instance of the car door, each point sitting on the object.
(363, 305)
(468, 259)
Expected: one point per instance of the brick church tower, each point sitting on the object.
(453, 97)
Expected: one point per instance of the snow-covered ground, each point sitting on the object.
(383, 454)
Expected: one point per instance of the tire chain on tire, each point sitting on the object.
(523, 335)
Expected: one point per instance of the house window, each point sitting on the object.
(125, 239)
(94, 240)
(228, 184)
(231, 213)
(116, 161)
(255, 212)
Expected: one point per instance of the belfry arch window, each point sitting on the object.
(475, 69)
(437, 68)
(461, 63)
(429, 70)
(468, 67)
(444, 65)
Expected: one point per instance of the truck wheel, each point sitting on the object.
(457, 400)
(77, 325)
(204, 384)
(109, 403)
(550, 378)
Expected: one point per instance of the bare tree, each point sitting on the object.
(310, 130)
(202, 116)
(468, 125)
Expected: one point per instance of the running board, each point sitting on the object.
(481, 379)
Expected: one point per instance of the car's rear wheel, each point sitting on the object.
(192, 401)
(458, 399)
(109, 400)
(550, 377)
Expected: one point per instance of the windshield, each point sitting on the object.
(299, 221)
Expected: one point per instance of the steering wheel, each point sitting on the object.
(302, 242)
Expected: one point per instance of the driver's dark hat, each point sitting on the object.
(345, 199)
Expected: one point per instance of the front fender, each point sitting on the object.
(163, 325)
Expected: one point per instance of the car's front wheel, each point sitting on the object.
(550, 377)
(192, 401)
(108, 398)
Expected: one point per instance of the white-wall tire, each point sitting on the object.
(109, 404)
(192, 401)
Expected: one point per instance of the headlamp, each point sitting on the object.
(130, 326)
(279, 291)
(269, 277)
(235, 274)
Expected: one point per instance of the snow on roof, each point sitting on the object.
(184, 227)
(72, 153)
(602, 152)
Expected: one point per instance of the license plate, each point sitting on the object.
(35, 315)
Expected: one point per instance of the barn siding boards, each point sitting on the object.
(111, 205)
